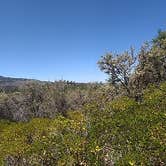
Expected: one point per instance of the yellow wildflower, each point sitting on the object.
(97, 149)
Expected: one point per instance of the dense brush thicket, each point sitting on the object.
(121, 132)
(63, 123)
(44, 100)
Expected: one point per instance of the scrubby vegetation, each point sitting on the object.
(122, 122)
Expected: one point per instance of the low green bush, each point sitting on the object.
(121, 132)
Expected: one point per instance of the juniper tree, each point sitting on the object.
(151, 68)
(119, 68)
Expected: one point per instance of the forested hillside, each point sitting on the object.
(121, 122)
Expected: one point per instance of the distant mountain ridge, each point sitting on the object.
(11, 83)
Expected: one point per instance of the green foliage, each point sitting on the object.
(118, 67)
(121, 132)
(158, 41)
(151, 68)
(127, 74)
(138, 129)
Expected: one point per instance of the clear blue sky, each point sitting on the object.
(54, 39)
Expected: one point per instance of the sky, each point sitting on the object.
(64, 39)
